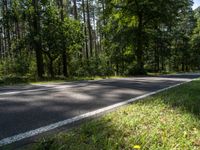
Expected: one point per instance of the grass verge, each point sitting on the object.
(23, 80)
(166, 121)
(60, 80)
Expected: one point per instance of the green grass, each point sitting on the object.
(74, 79)
(23, 80)
(167, 121)
(162, 73)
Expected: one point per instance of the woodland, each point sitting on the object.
(82, 38)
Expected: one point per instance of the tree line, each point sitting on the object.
(53, 38)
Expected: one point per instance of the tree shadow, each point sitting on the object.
(31, 110)
(186, 98)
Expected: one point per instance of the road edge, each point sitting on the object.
(35, 132)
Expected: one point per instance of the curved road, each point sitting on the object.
(25, 108)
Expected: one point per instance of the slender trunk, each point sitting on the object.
(59, 68)
(162, 59)
(156, 55)
(7, 25)
(103, 7)
(75, 10)
(139, 50)
(183, 66)
(64, 53)
(7, 22)
(95, 40)
(64, 61)
(104, 20)
(4, 42)
(100, 41)
(85, 30)
(1, 45)
(117, 68)
(18, 29)
(89, 29)
(51, 71)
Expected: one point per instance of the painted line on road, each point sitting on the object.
(19, 92)
(36, 90)
(50, 127)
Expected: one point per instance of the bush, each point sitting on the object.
(13, 79)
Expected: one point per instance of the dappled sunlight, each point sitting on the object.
(45, 104)
(189, 100)
(145, 47)
(150, 124)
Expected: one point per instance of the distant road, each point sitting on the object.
(25, 108)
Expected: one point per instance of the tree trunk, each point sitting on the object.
(156, 56)
(17, 29)
(139, 50)
(75, 10)
(1, 45)
(162, 59)
(51, 71)
(85, 30)
(64, 61)
(7, 25)
(37, 46)
(89, 29)
(95, 34)
(64, 53)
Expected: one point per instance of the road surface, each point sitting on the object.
(25, 108)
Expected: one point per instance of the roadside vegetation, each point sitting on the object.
(19, 80)
(63, 39)
(24, 80)
(169, 120)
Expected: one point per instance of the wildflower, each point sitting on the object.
(136, 146)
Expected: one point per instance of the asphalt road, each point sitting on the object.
(24, 108)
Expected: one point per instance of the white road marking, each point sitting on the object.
(35, 132)
(36, 90)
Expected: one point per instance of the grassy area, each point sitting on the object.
(74, 79)
(161, 73)
(13, 80)
(21, 80)
(24, 80)
(18, 80)
(166, 121)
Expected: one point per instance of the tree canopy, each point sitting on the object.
(55, 38)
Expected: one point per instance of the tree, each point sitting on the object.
(100, 37)
(89, 27)
(35, 33)
(195, 42)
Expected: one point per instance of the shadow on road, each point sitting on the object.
(31, 110)
(136, 127)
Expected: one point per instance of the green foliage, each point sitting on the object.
(14, 79)
(113, 37)
(20, 65)
(149, 28)
(195, 43)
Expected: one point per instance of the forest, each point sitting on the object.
(81, 38)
